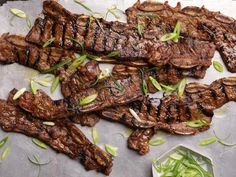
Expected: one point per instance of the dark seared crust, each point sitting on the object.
(15, 49)
(82, 79)
(190, 56)
(42, 106)
(196, 22)
(89, 119)
(63, 137)
(199, 102)
(144, 109)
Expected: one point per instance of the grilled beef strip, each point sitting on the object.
(64, 137)
(105, 37)
(14, 49)
(108, 95)
(199, 102)
(82, 79)
(199, 23)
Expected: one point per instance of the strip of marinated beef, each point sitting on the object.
(196, 22)
(199, 102)
(14, 49)
(63, 137)
(104, 37)
(108, 95)
(82, 79)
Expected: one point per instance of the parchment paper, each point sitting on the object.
(127, 163)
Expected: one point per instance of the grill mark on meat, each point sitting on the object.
(37, 60)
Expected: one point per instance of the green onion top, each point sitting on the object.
(111, 149)
(197, 123)
(218, 66)
(48, 42)
(88, 99)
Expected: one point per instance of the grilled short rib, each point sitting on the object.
(196, 22)
(14, 49)
(63, 137)
(199, 102)
(103, 37)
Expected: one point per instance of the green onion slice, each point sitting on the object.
(3, 141)
(144, 87)
(111, 149)
(168, 88)
(177, 31)
(18, 13)
(197, 123)
(156, 142)
(104, 73)
(5, 153)
(39, 143)
(181, 87)
(207, 141)
(155, 83)
(49, 123)
(77, 62)
(19, 93)
(168, 37)
(48, 42)
(218, 66)
(55, 84)
(59, 65)
(113, 54)
(88, 99)
(140, 28)
(33, 86)
(134, 114)
(95, 135)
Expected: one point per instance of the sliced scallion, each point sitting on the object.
(155, 83)
(207, 141)
(156, 142)
(88, 99)
(77, 62)
(113, 54)
(19, 93)
(5, 153)
(48, 42)
(140, 28)
(3, 141)
(168, 37)
(33, 86)
(55, 84)
(18, 13)
(111, 149)
(144, 87)
(95, 135)
(218, 66)
(48, 123)
(59, 65)
(39, 143)
(181, 87)
(104, 73)
(134, 114)
(197, 123)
